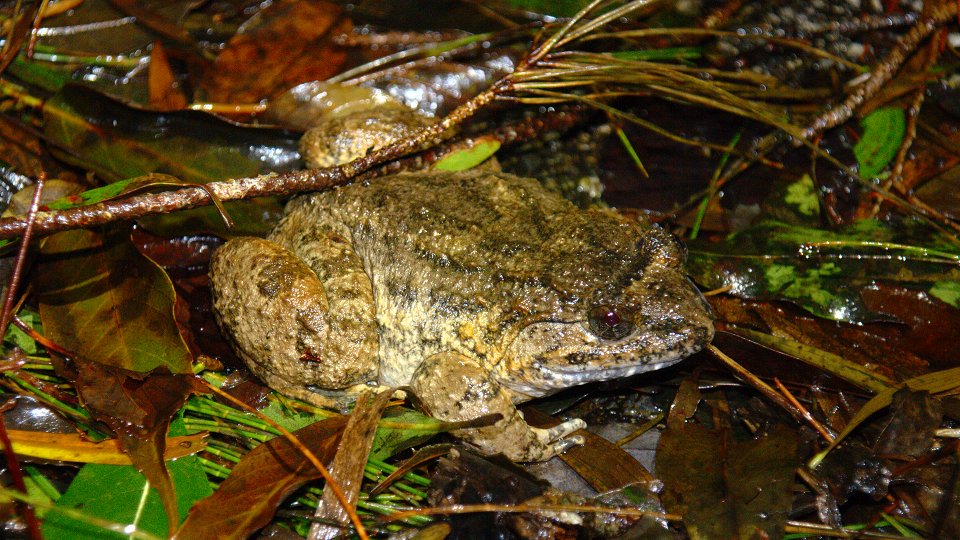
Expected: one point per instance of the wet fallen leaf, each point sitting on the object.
(724, 487)
(914, 419)
(95, 27)
(603, 464)
(72, 447)
(119, 142)
(829, 362)
(100, 298)
(138, 408)
(122, 495)
(936, 382)
(248, 498)
(289, 42)
(348, 465)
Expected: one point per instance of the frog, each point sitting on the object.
(475, 291)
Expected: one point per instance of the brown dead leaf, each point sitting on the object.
(280, 47)
(248, 498)
(724, 487)
(864, 344)
(165, 94)
(909, 430)
(348, 465)
(604, 465)
(22, 149)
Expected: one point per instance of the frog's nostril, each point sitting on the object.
(609, 322)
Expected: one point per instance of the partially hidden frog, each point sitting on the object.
(478, 290)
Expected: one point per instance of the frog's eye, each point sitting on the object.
(609, 323)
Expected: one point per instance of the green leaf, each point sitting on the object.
(802, 197)
(18, 338)
(824, 271)
(115, 493)
(119, 142)
(948, 291)
(849, 371)
(468, 158)
(400, 429)
(101, 298)
(883, 131)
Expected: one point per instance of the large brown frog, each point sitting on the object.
(477, 290)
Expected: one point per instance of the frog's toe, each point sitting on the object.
(543, 445)
(560, 431)
(562, 445)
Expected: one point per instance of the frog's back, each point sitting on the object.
(456, 259)
(477, 223)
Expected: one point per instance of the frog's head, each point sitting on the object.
(639, 313)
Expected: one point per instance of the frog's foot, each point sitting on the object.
(560, 432)
(552, 441)
(453, 387)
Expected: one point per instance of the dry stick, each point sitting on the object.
(755, 382)
(244, 188)
(884, 72)
(13, 464)
(17, 273)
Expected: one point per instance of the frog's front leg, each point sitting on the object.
(293, 326)
(453, 387)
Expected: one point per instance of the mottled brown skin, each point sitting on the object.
(478, 290)
(345, 138)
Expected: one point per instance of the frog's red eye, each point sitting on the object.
(609, 323)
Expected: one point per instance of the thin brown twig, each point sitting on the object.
(885, 71)
(17, 273)
(244, 188)
(754, 381)
(34, 30)
(820, 428)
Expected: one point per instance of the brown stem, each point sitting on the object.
(265, 185)
(17, 272)
(883, 72)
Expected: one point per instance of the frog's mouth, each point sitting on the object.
(549, 356)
